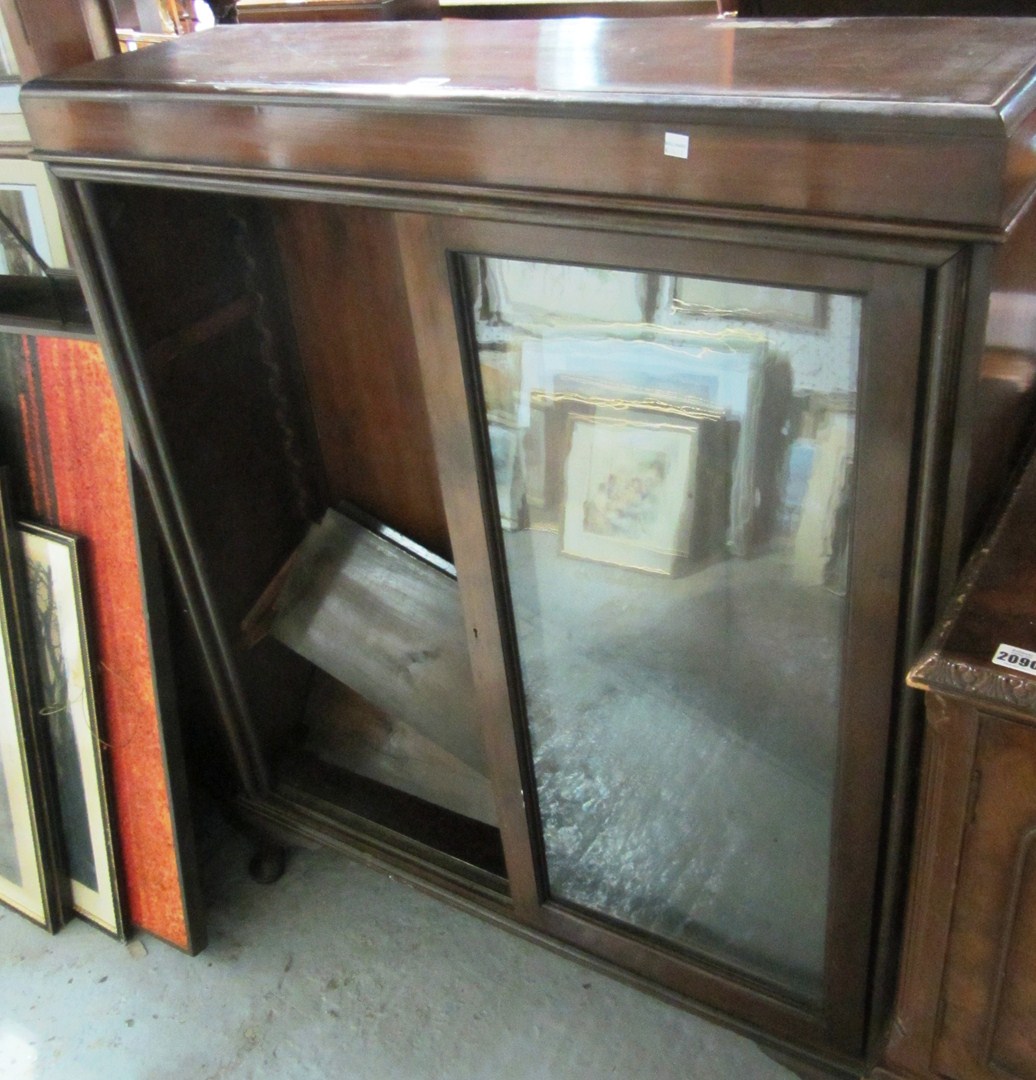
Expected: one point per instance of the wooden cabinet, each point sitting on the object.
(967, 994)
(563, 437)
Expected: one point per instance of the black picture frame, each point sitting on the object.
(29, 867)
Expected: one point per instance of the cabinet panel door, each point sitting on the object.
(683, 588)
(989, 988)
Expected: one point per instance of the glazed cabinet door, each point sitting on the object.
(682, 583)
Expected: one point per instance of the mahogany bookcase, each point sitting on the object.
(564, 434)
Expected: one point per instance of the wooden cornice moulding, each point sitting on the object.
(879, 130)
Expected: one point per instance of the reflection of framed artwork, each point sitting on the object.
(65, 698)
(26, 867)
(713, 375)
(630, 491)
(804, 308)
(27, 199)
(507, 471)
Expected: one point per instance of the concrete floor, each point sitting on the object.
(334, 973)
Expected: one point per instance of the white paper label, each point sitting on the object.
(1013, 657)
(677, 145)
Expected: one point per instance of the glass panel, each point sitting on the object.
(673, 471)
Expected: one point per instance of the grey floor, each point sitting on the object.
(336, 972)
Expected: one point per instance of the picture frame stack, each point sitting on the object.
(70, 471)
(128, 863)
(57, 843)
(28, 857)
(65, 705)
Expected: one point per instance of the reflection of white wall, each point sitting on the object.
(529, 293)
(1012, 321)
(544, 299)
(824, 361)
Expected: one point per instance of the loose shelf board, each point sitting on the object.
(382, 617)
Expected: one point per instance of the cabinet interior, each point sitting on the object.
(274, 344)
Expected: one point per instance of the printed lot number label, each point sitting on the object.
(1010, 656)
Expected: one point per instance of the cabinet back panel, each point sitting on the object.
(343, 277)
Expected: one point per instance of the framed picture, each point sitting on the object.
(61, 435)
(630, 490)
(65, 699)
(26, 198)
(27, 866)
(681, 371)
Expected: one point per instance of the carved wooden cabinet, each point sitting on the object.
(967, 998)
(563, 434)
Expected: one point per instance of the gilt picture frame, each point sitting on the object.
(630, 490)
(65, 699)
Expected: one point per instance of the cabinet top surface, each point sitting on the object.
(943, 69)
(925, 124)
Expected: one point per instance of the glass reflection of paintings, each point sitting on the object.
(683, 722)
(630, 491)
(65, 698)
(26, 870)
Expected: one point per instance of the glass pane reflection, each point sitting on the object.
(673, 471)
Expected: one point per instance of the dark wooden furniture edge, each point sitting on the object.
(385, 130)
(942, 666)
(946, 767)
(154, 584)
(927, 245)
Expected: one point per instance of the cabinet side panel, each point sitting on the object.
(987, 949)
(949, 748)
(1012, 1037)
(213, 363)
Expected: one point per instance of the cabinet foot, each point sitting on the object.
(267, 865)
